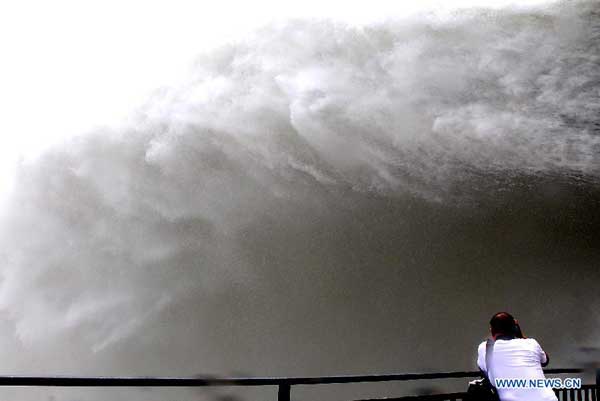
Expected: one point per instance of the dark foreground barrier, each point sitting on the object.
(587, 392)
(284, 384)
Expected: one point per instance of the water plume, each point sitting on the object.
(321, 199)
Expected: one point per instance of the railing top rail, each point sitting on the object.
(79, 381)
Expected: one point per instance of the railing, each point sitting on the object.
(587, 392)
(284, 384)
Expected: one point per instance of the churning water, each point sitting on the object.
(321, 199)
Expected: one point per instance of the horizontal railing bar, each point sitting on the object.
(78, 381)
(428, 397)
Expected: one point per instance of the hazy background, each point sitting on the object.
(318, 197)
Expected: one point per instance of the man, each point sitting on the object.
(514, 357)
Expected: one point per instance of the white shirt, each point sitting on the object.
(518, 358)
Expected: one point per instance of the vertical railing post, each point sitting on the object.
(597, 384)
(283, 393)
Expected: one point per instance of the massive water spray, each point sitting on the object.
(321, 199)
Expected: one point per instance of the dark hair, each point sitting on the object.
(502, 323)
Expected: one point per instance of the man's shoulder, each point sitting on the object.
(532, 342)
(520, 343)
(528, 341)
(482, 346)
(525, 341)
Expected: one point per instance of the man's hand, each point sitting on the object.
(518, 332)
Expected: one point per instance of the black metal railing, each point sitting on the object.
(284, 384)
(587, 392)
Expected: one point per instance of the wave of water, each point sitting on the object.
(349, 196)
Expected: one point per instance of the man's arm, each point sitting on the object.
(542, 355)
(544, 364)
(481, 357)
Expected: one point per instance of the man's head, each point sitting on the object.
(502, 323)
